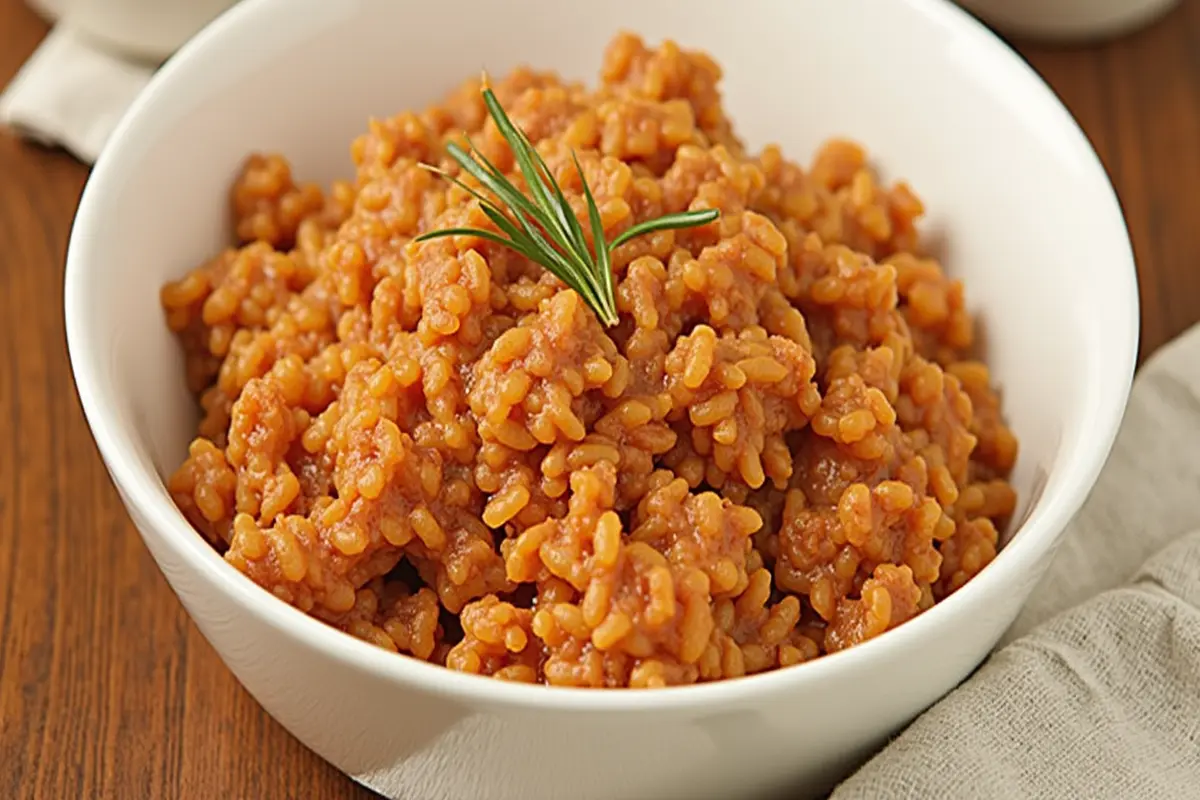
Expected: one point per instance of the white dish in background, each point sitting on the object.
(1069, 19)
(144, 29)
(1029, 221)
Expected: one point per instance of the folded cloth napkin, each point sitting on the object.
(1097, 692)
(71, 93)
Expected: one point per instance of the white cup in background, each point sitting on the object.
(1068, 20)
(143, 29)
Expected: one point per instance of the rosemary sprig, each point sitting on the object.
(542, 226)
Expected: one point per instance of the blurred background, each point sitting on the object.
(104, 684)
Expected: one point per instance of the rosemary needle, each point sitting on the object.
(542, 226)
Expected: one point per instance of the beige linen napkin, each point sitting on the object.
(71, 93)
(1097, 693)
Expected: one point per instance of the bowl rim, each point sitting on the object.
(143, 488)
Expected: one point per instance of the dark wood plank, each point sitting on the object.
(106, 688)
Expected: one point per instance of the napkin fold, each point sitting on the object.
(71, 93)
(1097, 692)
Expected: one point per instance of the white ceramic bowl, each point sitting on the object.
(1021, 201)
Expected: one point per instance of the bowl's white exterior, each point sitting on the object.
(1018, 199)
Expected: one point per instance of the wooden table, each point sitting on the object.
(106, 688)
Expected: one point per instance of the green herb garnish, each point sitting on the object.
(543, 227)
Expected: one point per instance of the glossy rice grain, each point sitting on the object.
(783, 449)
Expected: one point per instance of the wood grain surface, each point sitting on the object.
(107, 690)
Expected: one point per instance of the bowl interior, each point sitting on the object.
(1016, 200)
